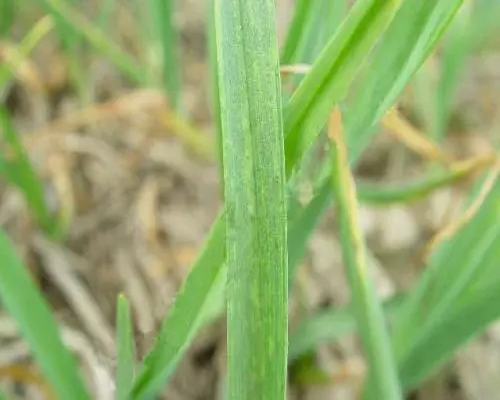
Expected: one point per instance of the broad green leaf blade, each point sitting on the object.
(38, 327)
(408, 41)
(162, 16)
(332, 74)
(254, 179)
(185, 316)
(19, 172)
(125, 368)
(366, 305)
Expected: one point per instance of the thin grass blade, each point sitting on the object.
(367, 308)
(185, 316)
(313, 24)
(125, 368)
(77, 24)
(461, 324)
(72, 45)
(38, 327)
(434, 296)
(329, 325)
(301, 226)
(303, 9)
(455, 51)
(332, 74)
(418, 189)
(9, 65)
(20, 172)
(162, 13)
(408, 41)
(214, 84)
(403, 48)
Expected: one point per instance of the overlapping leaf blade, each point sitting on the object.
(416, 48)
(187, 308)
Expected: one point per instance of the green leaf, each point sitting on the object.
(301, 226)
(463, 258)
(214, 83)
(406, 44)
(312, 26)
(74, 24)
(206, 268)
(461, 324)
(255, 203)
(408, 41)
(332, 74)
(407, 192)
(187, 314)
(329, 325)
(125, 368)
(367, 308)
(455, 51)
(456, 297)
(38, 327)
(166, 35)
(485, 22)
(7, 8)
(71, 43)
(302, 11)
(36, 33)
(20, 173)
